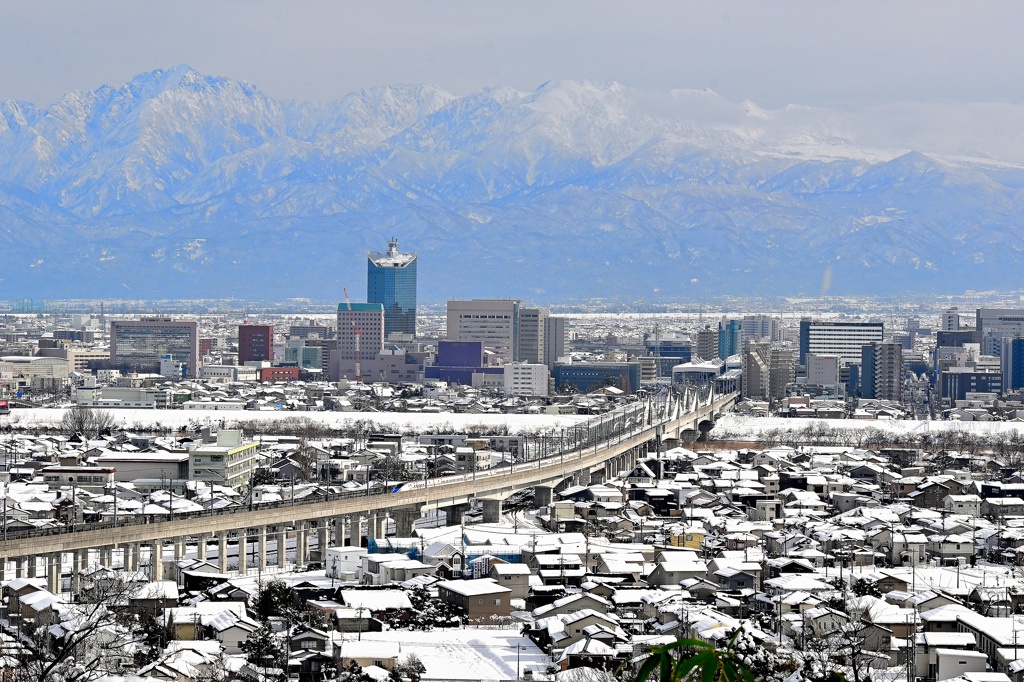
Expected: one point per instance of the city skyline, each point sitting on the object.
(684, 324)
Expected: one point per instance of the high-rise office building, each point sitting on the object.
(391, 281)
(767, 369)
(757, 327)
(139, 345)
(311, 330)
(996, 324)
(556, 339)
(882, 371)
(844, 339)
(531, 335)
(951, 320)
(368, 320)
(493, 322)
(1000, 320)
(668, 352)
(956, 382)
(757, 359)
(707, 343)
(255, 343)
(1012, 362)
(781, 371)
(730, 338)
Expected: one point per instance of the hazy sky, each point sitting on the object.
(813, 52)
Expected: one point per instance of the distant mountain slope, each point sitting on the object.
(183, 185)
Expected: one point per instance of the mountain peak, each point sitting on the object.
(128, 180)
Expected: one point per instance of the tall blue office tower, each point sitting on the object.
(730, 339)
(391, 281)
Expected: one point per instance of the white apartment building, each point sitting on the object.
(230, 461)
(173, 369)
(493, 322)
(229, 372)
(526, 379)
(106, 376)
(844, 339)
(79, 358)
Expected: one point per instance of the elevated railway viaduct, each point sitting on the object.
(612, 443)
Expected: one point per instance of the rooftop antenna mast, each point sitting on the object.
(356, 333)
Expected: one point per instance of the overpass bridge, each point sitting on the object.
(580, 454)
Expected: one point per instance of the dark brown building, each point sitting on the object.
(255, 343)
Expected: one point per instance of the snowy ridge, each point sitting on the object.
(177, 184)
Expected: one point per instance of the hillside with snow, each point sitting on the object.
(181, 185)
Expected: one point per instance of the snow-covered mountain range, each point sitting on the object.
(183, 185)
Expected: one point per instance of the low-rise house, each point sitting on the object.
(571, 604)
(366, 653)
(516, 577)
(480, 601)
(377, 603)
(676, 569)
(308, 639)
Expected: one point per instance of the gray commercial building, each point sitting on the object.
(757, 327)
(493, 322)
(532, 326)
(138, 345)
(882, 371)
(996, 324)
(556, 339)
(707, 343)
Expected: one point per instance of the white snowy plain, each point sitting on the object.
(470, 654)
(745, 428)
(404, 422)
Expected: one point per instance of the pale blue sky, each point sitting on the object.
(837, 53)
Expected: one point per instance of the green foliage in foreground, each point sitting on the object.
(707, 665)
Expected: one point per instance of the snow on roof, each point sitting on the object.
(376, 600)
(367, 648)
(482, 654)
(158, 589)
(473, 588)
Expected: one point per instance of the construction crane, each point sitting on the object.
(356, 333)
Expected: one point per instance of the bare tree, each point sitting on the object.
(87, 641)
(305, 462)
(86, 422)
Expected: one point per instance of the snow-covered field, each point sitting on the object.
(744, 428)
(386, 421)
(471, 654)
